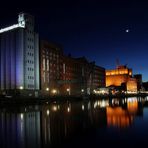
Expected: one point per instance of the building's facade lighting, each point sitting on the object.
(12, 27)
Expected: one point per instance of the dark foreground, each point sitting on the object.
(114, 122)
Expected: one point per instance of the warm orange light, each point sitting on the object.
(132, 106)
(118, 117)
(132, 85)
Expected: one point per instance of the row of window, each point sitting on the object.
(29, 22)
(30, 62)
(30, 69)
(30, 54)
(30, 32)
(30, 77)
(50, 54)
(30, 47)
(30, 86)
(50, 57)
(31, 39)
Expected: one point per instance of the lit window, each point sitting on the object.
(43, 64)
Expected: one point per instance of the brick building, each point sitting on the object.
(65, 75)
(50, 61)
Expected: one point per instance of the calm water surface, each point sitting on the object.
(109, 122)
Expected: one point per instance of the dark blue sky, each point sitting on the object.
(92, 28)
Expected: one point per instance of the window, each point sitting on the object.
(44, 77)
(43, 64)
(47, 65)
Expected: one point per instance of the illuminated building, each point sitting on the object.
(19, 60)
(50, 64)
(131, 85)
(118, 76)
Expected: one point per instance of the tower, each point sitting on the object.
(19, 55)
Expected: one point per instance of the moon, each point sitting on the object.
(127, 30)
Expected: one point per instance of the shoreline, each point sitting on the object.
(41, 99)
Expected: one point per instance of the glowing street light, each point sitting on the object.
(54, 91)
(47, 89)
(83, 107)
(68, 109)
(21, 87)
(94, 91)
(82, 90)
(48, 112)
(54, 108)
(68, 90)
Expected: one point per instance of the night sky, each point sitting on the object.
(96, 29)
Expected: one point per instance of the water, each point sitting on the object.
(114, 122)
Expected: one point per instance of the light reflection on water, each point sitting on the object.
(83, 122)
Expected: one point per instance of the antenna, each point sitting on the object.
(117, 62)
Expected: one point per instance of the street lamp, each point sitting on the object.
(21, 87)
(68, 90)
(82, 90)
(54, 91)
(47, 89)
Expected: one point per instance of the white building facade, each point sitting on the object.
(19, 55)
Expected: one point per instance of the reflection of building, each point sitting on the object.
(20, 129)
(132, 105)
(118, 117)
(19, 52)
(50, 64)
